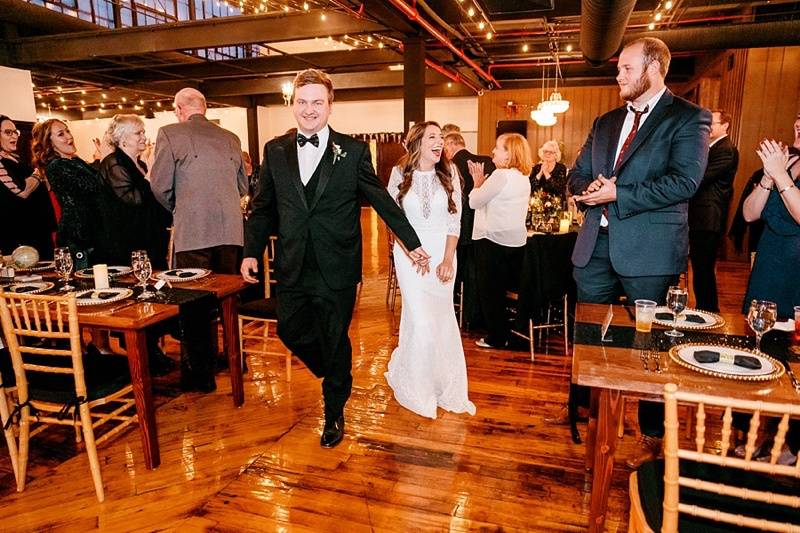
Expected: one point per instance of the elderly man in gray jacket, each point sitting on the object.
(199, 175)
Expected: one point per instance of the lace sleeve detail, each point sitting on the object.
(395, 179)
(454, 219)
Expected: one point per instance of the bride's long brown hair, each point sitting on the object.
(410, 162)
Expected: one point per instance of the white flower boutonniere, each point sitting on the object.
(337, 153)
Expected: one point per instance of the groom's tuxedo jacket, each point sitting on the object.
(330, 220)
(661, 170)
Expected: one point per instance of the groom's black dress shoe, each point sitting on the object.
(333, 433)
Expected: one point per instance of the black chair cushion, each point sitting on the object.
(264, 308)
(104, 374)
(651, 496)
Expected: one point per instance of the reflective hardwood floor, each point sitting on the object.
(260, 467)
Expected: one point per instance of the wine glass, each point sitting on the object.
(142, 269)
(63, 265)
(761, 318)
(677, 298)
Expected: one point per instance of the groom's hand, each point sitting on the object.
(421, 259)
(249, 269)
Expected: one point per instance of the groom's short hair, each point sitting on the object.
(313, 76)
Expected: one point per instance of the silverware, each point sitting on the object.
(655, 355)
(643, 356)
(790, 372)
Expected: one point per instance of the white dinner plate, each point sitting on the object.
(710, 320)
(102, 296)
(31, 287)
(685, 354)
(113, 271)
(177, 275)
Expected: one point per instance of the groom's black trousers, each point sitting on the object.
(313, 320)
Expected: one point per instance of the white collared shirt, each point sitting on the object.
(715, 141)
(627, 126)
(309, 156)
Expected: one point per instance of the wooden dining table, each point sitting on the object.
(132, 317)
(613, 371)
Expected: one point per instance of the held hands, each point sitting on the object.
(476, 171)
(248, 269)
(775, 158)
(601, 191)
(445, 271)
(421, 260)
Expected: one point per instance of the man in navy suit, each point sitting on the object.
(634, 176)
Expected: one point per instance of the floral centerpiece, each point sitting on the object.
(544, 209)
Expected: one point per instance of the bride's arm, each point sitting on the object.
(445, 270)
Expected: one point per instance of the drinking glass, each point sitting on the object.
(677, 297)
(63, 265)
(761, 318)
(142, 270)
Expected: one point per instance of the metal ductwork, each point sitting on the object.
(751, 35)
(603, 24)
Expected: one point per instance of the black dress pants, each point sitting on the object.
(223, 259)
(703, 246)
(313, 320)
(497, 271)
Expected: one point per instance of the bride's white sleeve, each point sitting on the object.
(395, 179)
(454, 219)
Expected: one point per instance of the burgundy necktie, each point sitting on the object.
(637, 117)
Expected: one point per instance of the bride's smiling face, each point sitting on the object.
(431, 146)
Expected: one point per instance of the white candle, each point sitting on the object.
(100, 273)
(563, 225)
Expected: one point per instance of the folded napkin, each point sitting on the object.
(744, 361)
(101, 295)
(26, 288)
(664, 316)
(113, 270)
(180, 274)
(697, 319)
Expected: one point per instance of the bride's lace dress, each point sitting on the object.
(427, 369)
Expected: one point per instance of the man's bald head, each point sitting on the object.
(188, 102)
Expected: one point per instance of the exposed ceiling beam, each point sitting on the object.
(439, 90)
(209, 33)
(355, 80)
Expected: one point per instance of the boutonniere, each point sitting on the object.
(337, 153)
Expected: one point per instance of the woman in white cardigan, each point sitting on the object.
(501, 204)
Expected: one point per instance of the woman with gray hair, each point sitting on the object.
(133, 220)
(549, 174)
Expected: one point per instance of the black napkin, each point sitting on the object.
(100, 295)
(664, 316)
(172, 273)
(26, 288)
(697, 319)
(114, 270)
(744, 361)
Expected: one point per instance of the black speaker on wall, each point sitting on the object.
(512, 126)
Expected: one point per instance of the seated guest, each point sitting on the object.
(77, 187)
(501, 205)
(133, 219)
(25, 208)
(549, 174)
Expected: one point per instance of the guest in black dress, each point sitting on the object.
(549, 174)
(26, 214)
(77, 187)
(132, 218)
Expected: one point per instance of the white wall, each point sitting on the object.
(233, 119)
(377, 116)
(16, 96)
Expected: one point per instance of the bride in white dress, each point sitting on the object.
(427, 369)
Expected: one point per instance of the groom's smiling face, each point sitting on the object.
(311, 108)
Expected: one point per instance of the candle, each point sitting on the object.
(100, 273)
(563, 225)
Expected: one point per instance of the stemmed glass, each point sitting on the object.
(63, 265)
(761, 318)
(677, 298)
(142, 270)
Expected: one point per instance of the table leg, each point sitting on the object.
(230, 330)
(609, 411)
(591, 428)
(136, 345)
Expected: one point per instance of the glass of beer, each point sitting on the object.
(645, 313)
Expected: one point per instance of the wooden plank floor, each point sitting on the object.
(260, 467)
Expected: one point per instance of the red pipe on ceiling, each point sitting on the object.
(454, 76)
(412, 14)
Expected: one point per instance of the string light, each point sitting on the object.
(124, 99)
(651, 26)
(62, 98)
(158, 104)
(322, 16)
(481, 25)
(305, 6)
(658, 17)
(471, 12)
(489, 36)
(524, 47)
(569, 48)
(104, 95)
(668, 5)
(119, 106)
(141, 102)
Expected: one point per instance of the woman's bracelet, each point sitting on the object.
(762, 186)
(786, 188)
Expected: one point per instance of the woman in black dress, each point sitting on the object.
(26, 214)
(549, 174)
(133, 219)
(77, 188)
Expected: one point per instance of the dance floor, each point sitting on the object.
(260, 467)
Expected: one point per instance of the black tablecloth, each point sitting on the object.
(545, 273)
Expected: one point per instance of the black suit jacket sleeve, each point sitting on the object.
(263, 221)
(376, 194)
(723, 157)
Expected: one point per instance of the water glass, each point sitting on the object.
(761, 318)
(62, 259)
(142, 270)
(677, 298)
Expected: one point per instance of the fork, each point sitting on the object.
(643, 356)
(656, 357)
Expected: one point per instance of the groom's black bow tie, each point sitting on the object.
(302, 140)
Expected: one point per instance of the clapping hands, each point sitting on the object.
(477, 173)
(775, 157)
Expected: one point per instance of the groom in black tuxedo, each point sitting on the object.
(308, 194)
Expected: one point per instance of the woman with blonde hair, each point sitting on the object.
(133, 218)
(501, 204)
(550, 174)
(427, 369)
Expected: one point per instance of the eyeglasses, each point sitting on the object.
(11, 133)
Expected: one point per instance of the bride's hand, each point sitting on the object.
(445, 271)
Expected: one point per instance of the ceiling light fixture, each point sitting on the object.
(540, 115)
(286, 90)
(555, 103)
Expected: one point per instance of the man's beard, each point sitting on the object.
(641, 86)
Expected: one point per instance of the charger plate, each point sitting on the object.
(113, 271)
(31, 287)
(712, 320)
(102, 296)
(177, 275)
(41, 266)
(683, 354)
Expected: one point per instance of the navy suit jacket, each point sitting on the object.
(661, 170)
(332, 220)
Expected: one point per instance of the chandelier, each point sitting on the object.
(555, 103)
(541, 115)
(286, 90)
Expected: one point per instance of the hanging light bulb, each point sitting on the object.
(543, 117)
(286, 90)
(555, 102)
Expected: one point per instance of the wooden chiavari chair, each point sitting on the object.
(56, 383)
(704, 489)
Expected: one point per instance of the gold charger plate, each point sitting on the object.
(96, 296)
(713, 320)
(31, 287)
(681, 353)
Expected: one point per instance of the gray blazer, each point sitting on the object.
(198, 174)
